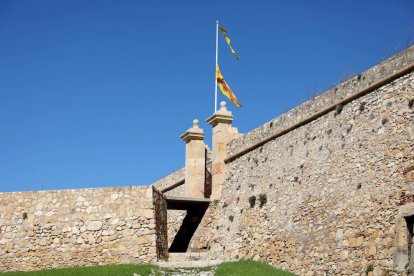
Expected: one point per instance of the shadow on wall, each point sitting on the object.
(185, 233)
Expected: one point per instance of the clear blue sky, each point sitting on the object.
(96, 93)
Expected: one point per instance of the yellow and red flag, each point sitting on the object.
(224, 87)
(224, 33)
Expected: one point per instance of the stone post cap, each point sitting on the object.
(195, 123)
(221, 116)
(223, 109)
(194, 133)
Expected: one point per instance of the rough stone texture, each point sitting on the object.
(174, 217)
(333, 188)
(76, 228)
(332, 96)
(170, 179)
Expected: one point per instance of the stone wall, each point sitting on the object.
(330, 190)
(339, 92)
(83, 227)
(174, 217)
(170, 179)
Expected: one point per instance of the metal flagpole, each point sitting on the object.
(215, 82)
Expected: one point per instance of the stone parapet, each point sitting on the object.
(171, 179)
(330, 197)
(341, 91)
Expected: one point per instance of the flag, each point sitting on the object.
(223, 32)
(224, 88)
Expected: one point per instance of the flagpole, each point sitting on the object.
(215, 82)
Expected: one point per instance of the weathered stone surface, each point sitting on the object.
(75, 227)
(333, 186)
(94, 225)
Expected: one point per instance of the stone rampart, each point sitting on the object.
(324, 197)
(83, 227)
(346, 89)
(171, 179)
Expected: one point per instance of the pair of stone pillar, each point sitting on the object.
(195, 157)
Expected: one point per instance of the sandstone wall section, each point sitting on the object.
(83, 227)
(339, 92)
(170, 179)
(323, 197)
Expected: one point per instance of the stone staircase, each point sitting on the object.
(188, 260)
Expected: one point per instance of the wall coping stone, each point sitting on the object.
(77, 190)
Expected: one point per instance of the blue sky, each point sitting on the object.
(96, 93)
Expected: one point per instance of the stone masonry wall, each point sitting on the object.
(174, 217)
(330, 97)
(83, 227)
(170, 179)
(330, 190)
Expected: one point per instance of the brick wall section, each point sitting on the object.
(333, 189)
(76, 228)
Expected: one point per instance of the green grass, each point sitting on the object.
(109, 270)
(239, 268)
(249, 268)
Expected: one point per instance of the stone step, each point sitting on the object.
(188, 264)
(188, 256)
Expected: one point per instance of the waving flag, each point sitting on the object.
(224, 87)
(224, 33)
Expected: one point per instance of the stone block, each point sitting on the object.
(94, 225)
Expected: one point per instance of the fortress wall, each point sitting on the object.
(174, 217)
(83, 227)
(170, 179)
(332, 96)
(333, 186)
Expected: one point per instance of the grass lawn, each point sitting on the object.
(239, 268)
(109, 270)
(249, 268)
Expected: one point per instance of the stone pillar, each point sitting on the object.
(195, 161)
(223, 133)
